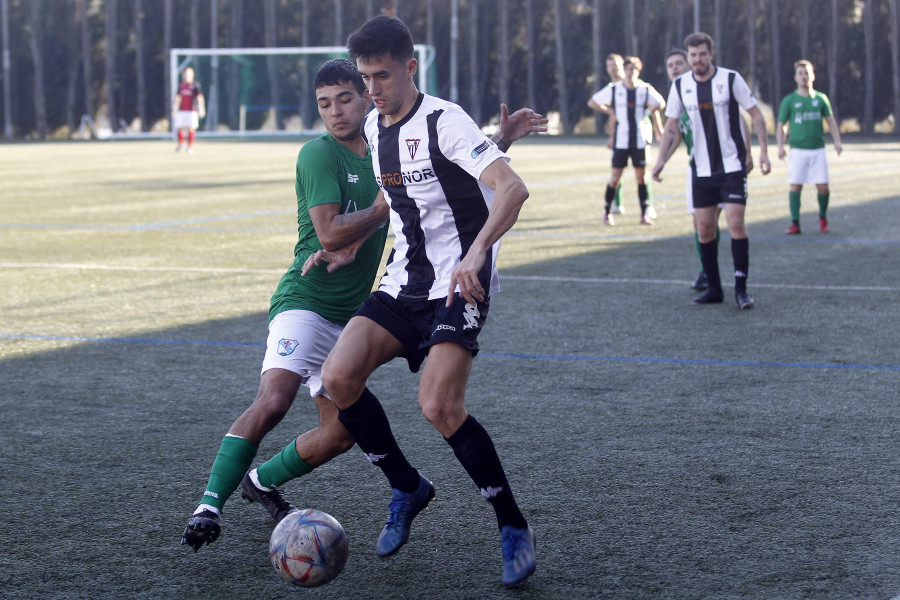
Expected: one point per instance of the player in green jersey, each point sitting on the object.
(340, 213)
(802, 113)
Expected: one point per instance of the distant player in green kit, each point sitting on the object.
(802, 112)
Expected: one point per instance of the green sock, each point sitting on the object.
(619, 195)
(234, 458)
(795, 206)
(282, 467)
(823, 204)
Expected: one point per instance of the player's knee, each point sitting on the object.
(273, 404)
(443, 414)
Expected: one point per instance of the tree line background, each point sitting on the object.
(69, 58)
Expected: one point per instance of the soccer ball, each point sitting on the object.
(308, 548)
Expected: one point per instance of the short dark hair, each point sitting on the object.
(634, 61)
(675, 51)
(804, 63)
(699, 38)
(337, 71)
(381, 35)
(614, 56)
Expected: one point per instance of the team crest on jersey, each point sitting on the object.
(815, 102)
(286, 347)
(720, 87)
(412, 146)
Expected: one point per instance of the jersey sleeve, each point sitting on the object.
(784, 111)
(742, 92)
(826, 105)
(464, 144)
(317, 174)
(654, 98)
(674, 107)
(604, 96)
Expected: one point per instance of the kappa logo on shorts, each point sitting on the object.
(286, 347)
(471, 316)
(444, 326)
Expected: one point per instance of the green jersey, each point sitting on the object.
(804, 115)
(329, 173)
(687, 132)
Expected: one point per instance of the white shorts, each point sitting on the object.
(807, 166)
(186, 119)
(299, 341)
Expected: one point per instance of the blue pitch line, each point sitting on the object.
(675, 361)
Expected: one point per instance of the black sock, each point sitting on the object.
(475, 450)
(740, 254)
(642, 197)
(709, 256)
(610, 196)
(369, 426)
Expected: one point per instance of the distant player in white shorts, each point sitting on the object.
(802, 113)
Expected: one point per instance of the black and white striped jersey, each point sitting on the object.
(714, 109)
(630, 107)
(429, 165)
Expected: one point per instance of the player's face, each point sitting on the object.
(700, 57)
(342, 110)
(614, 69)
(676, 65)
(631, 72)
(389, 81)
(188, 75)
(804, 77)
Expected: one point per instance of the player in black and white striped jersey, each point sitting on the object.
(712, 97)
(452, 195)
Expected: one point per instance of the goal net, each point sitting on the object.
(267, 91)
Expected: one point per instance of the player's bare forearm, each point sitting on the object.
(759, 125)
(835, 134)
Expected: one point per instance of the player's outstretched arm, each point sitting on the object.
(517, 125)
(510, 194)
(745, 129)
(780, 139)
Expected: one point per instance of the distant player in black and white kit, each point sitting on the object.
(452, 195)
(712, 97)
(628, 102)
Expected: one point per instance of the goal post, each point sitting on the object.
(267, 91)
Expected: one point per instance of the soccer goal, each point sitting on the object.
(268, 91)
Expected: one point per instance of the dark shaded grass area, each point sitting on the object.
(644, 474)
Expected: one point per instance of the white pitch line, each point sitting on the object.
(95, 267)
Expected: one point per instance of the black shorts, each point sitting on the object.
(638, 157)
(420, 324)
(712, 191)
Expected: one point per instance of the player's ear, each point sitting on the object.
(412, 66)
(367, 98)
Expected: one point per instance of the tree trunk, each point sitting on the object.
(195, 23)
(111, 55)
(429, 22)
(718, 35)
(72, 65)
(532, 66)
(751, 36)
(271, 34)
(212, 100)
(370, 9)
(804, 29)
(37, 60)
(629, 26)
(597, 59)
(307, 111)
(86, 56)
(869, 88)
(139, 57)
(454, 50)
(167, 59)
(236, 35)
(561, 79)
(503, 48)
(895, 60)
(339, 39)
(833, 51)
(775, 50)
(474, 63)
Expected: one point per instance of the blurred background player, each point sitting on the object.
(615, 70)
(802, 113)
(188, 109)
(711, 96)
(628, 102)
